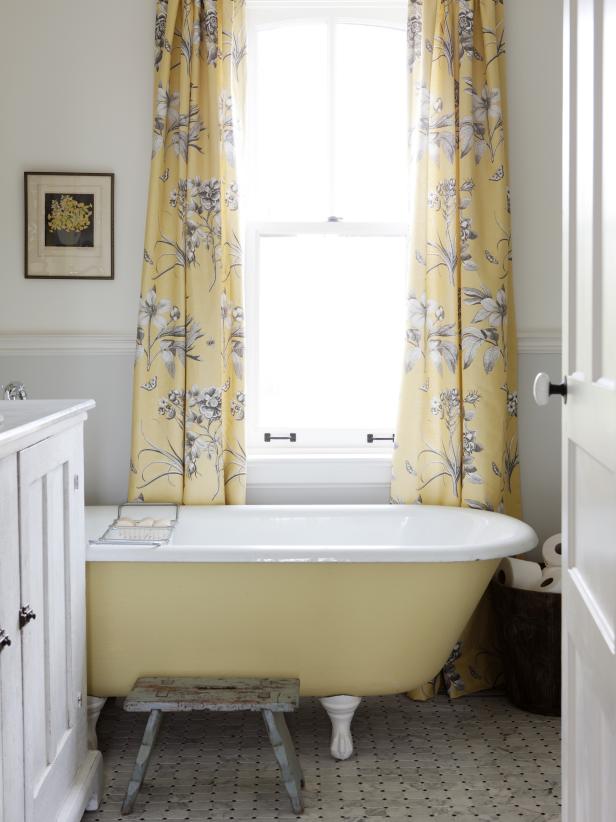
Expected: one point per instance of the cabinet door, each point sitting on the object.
(11, 742)
(52, 585)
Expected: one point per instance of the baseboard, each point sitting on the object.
(88, 784)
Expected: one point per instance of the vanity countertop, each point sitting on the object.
(22, 420)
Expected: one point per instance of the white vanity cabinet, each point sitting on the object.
(11, 713)
(47, 773)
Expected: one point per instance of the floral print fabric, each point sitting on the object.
(456, 442)
(188, 392)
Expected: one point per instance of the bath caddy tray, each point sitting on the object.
(151, 536)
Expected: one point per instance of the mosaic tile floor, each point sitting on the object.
(471, 759)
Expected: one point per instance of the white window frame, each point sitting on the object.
(310, 443)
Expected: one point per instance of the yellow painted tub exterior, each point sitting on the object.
(342, 628)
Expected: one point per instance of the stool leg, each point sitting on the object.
(143, 760)
(287, 758)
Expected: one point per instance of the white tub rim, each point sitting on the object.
(501, 536)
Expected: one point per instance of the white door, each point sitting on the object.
(52, 570)
(11, 743)
(589, 416)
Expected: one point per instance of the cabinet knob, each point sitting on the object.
(26, 615)
(5, 639)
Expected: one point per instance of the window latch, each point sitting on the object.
(291, 438)
(371, 438)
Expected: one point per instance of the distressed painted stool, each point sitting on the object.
(273, 697)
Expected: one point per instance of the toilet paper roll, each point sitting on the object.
(552, 549)
(519, 573)
(551, 580)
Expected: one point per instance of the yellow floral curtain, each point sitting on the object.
(188, 390)
(456, 442)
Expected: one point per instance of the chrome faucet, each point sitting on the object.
(14, 391)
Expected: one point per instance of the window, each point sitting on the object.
(326, 210)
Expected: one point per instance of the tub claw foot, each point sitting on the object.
(340, 710)
(95, 706)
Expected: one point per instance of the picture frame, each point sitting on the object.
(68, 225)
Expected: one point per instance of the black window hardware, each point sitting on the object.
(291, 438)
(371, 438)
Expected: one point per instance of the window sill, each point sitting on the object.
(319, 470)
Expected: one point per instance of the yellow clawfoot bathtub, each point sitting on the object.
(325, 601)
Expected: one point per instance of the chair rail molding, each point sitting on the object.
(540, 341)
(327, 4)
(53, 343)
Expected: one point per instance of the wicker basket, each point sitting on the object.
(529, 626)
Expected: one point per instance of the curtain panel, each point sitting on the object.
(456, 441)
(188, 389)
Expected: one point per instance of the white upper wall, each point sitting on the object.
(534, 82)
(77, 97)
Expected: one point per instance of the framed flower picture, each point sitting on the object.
(69, 225)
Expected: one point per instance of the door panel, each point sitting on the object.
(608, 198)
(595, 530)
(52, 571)
(56, 584)
(33, 635)
(583, 181)
(589, 417)
(11, 744)
(593, 789)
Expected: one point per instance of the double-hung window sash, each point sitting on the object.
(326, 247)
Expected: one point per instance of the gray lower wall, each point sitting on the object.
(106, 377)
(540, 447)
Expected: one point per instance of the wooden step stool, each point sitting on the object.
(273, 697)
